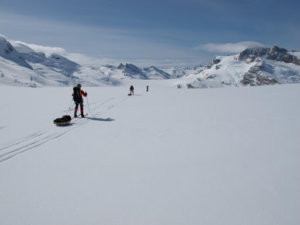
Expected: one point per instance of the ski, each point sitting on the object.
(80, 117)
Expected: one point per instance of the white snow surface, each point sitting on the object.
(165, 157)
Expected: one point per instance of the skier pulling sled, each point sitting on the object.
(78, 99)
(63, 121)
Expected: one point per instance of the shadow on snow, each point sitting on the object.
(100, 119)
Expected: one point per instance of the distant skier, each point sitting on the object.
(147, 88)
(131, 89)
(77, 97)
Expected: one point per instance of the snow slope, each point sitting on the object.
(168, 156)
(252, 67)
(29, 65)
(8, 52)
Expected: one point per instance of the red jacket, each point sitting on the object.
(83, 93)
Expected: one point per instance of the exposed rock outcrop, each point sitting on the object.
(273, 53)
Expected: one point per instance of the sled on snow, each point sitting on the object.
(63, 121)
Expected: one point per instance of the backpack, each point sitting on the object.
(76, 94)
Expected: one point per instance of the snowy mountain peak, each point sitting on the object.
(5, 46)
(48, 66)
(133, 71)
(147, 73)
(155, 73)
(252, 67)
(28, 53)
(273, 53)
(55, 70)
(61, 64)
(7, 51)
(121, 66)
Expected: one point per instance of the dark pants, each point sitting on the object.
(76, 108)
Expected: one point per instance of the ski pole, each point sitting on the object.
(87, 100)
(70, 105)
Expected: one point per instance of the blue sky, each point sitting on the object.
(156, 31)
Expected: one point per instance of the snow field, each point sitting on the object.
(169, 156)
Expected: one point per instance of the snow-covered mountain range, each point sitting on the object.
(22, 65)
(252, 67)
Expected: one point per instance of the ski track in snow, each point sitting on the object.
(39, 138)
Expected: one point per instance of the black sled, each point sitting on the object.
(63, 121)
